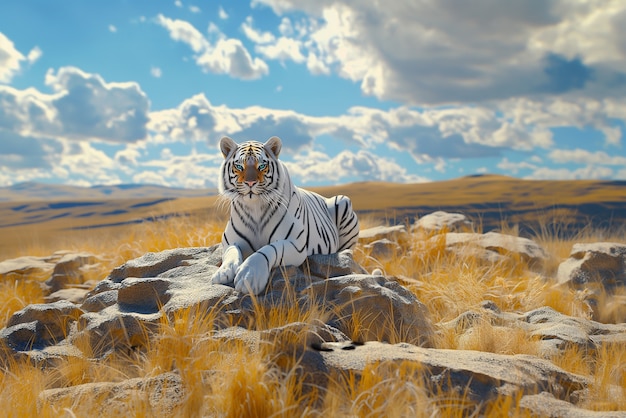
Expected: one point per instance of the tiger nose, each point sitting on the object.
(250, 183)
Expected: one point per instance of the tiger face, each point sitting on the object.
(250, 169)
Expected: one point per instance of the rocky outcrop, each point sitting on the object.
(124, 308)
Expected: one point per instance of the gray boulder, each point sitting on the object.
(554, 330)
(546, 405)
(383, 248)
(162, 394)
(495, 247)
(481, 376)
(440, 220)
(68, 270)
(391, 233)
(27, 265)
(601, 263)
(40, 325)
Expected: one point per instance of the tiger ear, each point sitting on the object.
(227, 146)
(273, 145)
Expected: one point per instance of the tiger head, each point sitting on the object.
(249, 169)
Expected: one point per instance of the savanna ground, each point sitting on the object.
(247, 382)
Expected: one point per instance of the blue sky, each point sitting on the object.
(404, 90)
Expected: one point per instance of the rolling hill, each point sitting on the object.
(40, 213)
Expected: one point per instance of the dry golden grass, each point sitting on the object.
(234, 379)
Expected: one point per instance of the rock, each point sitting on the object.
(382, 308)
(546, 405)
(382, 232)
(478, 375)
(494, 246)
(161, 394)
(603, 263)
(383, 248)
(40, 325)
(143, 295)
(99, 301)
(154, 264)
(440, 220)
(27, 265)
(68, 270)
(329, 265)
(73, 294)
(554, 330)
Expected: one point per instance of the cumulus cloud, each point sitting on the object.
(549, 113)
(488, 50)
(315, 166)
(10, 59)
(197, 119)
(588, 172)
(82, 106)
(194, 170)
(86, 106)
(54, 134)
(429, 135)
(581, 156)
(224, 56)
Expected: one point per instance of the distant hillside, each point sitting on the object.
(39, 213)
(27, 192)
(558, 206)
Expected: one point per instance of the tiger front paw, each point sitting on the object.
(231, 261)
(253, 274)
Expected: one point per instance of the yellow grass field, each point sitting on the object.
(246, 383)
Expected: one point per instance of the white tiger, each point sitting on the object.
(272, 222)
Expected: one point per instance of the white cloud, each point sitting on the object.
(255, 35)
(194, 9)
(226, 56)
(222, 13)
(80, 159)
(588, 172)
(34, 55)
(581, 156)
(315, 166)
(286, 27)
(156, 72)
(82, 107)
(150, 177)
(316, 66)
(515, 167)
(283, 49)
(440, 52)
(10, 59)
(86, 106)
(184, 32)
(580, 113)
(194, 170)
(112, 29)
